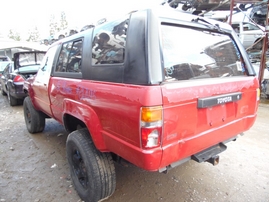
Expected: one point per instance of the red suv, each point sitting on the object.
(156, 88)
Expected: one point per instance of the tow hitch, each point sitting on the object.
(210, 154)
(213, 160)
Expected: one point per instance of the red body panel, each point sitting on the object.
(112, 114)
(105, 108)
(189, 130)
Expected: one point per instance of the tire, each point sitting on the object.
(3, 92)
(11, 100)
(34, 120)
(92, 172)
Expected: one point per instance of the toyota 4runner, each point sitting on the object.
(156, 88)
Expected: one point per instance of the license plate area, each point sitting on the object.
(218, 100)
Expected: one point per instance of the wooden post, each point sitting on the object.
(231, 11)
(264, 49)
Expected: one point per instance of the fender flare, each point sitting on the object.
(88, 116)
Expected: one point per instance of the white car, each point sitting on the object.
(265, 80)
(249, 33)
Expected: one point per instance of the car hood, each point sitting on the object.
(28, 58)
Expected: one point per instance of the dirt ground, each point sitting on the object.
(33, 168)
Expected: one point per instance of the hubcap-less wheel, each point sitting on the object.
(34, 120)
(80, 168)
(28, 117)
(92, 172)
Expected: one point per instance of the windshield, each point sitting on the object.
(3, 65)
(25, 59)
(192, 54)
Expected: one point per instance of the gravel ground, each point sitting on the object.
(34, 168)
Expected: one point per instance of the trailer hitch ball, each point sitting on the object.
(213, 160)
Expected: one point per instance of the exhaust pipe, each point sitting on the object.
(213, 160)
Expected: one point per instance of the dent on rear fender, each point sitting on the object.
(88, 116)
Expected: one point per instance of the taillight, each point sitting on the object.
(18, 78)
(151, 124)
(258, 94)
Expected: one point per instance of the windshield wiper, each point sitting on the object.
(212, 26)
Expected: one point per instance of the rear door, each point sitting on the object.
(208, 93)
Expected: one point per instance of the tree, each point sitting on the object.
(57, 25)
(33, 35)
(63, 21)
(53, 25)
(13, 34)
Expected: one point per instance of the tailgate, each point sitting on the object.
(199, 114)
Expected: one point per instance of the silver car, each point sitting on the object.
(249, 34)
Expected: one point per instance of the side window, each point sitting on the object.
(236, 28)
(109, 42)
(7, 69)
(70, 57)
(248, 26)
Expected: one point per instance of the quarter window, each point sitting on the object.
(109, 42)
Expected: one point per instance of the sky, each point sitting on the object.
(23, 16)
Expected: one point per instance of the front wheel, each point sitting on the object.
(34, 120)
(92, 172)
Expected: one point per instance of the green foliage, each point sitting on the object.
(33, 35)
(13, 34)
(56, 25)
(63, 21)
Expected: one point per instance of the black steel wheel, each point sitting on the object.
(34, 120)
(92, 172)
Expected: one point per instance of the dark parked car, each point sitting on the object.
(24, 66)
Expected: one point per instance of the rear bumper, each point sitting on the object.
(172, 155)
(185, 148)
(16, 91)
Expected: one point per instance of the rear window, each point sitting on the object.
(199, 54)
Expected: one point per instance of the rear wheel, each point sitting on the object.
(92, 172)
(34, 120)
(11, 100)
